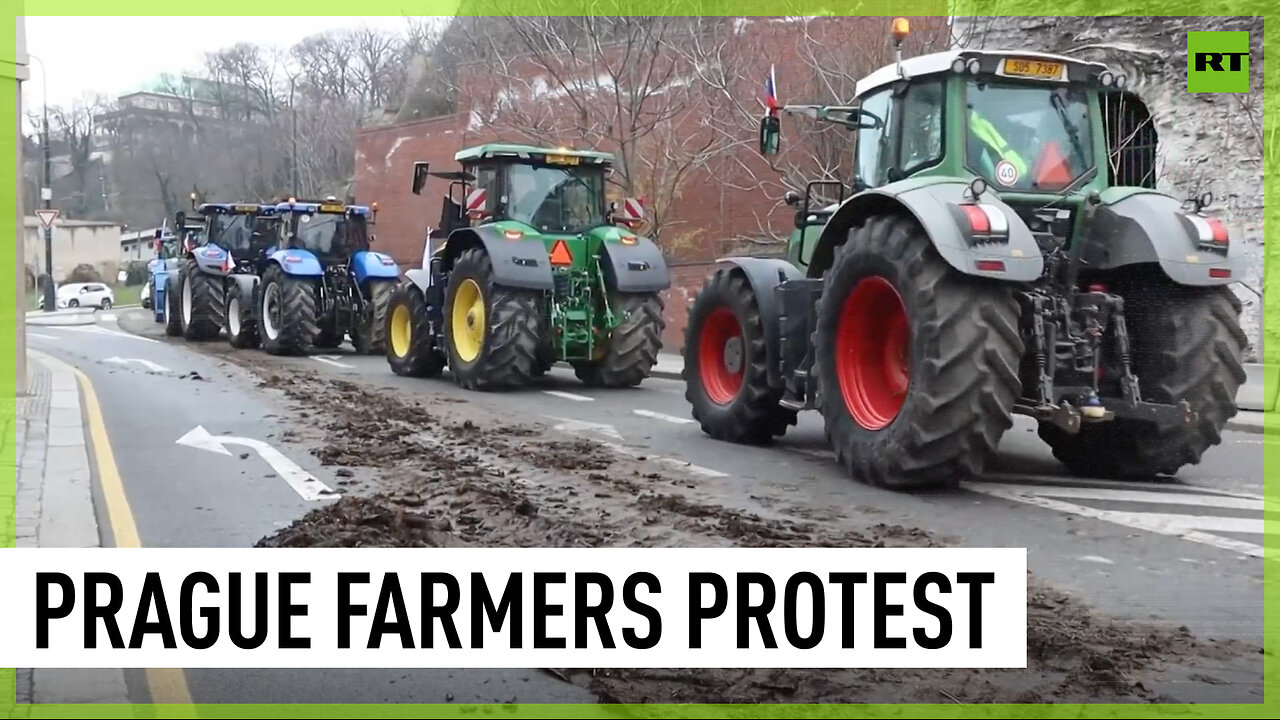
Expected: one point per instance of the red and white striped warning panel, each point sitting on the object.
(476, 200)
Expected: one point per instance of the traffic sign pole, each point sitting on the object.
(47, 216)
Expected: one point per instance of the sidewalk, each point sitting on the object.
(55, 509)
(1255, 404)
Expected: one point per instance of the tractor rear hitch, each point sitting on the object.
(1063, 415)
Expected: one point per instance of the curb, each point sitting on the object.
(1245, 428)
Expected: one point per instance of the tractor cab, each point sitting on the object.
(329, 229)
(243, 229)
(1041, 131)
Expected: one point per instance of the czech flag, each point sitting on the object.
(771, 92)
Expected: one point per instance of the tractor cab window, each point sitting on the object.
(921, 126)
(327, 234)
(556, 199)
(872, 151)
(231, 231)
(1027, 137)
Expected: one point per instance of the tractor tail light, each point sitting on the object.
(512, 234)
(1219, 273)
(1211, 233)
(989, 265)
(982, 223)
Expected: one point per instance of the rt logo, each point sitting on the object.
(1218, 61)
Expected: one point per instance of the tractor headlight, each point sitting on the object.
(1106, 78)
(957, 65)
(1121, 81)
(972, 66)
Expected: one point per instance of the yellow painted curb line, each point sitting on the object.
(165, 685)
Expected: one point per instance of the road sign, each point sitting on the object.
(47, 216)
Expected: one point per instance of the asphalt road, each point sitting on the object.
(1184, 552)
(154, 393)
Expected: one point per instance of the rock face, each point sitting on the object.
(1207, 142)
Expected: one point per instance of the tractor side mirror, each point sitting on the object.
(792, 199)
(420, 170)
(770, 135)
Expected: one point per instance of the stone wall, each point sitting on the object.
(1207, 142)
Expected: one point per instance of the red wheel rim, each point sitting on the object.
(721, 356)
(873, 345)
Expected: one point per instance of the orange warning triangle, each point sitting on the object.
(1051, 171)
(560, 254)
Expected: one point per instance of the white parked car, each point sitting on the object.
(84, 295)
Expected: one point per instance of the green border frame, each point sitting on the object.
(9, 308)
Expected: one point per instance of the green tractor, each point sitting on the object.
(529, 267)
(1003, 250)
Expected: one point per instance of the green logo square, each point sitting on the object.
(1218, 61)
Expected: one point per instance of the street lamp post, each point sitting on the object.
(46, 192)
(293, 155)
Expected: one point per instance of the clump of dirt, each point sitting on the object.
(477, 479)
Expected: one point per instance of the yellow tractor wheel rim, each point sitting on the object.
(401, 330)
(468, 321)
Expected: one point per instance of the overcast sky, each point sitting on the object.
(111, 55)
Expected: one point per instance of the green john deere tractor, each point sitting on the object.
(529, 267)
(1003, 250)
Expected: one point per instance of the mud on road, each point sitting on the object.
(436, 471)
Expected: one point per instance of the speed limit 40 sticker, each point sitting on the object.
(1006, 173)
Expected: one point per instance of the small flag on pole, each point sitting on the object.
(771, 91)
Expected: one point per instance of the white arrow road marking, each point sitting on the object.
(303, 482)
(1186, 527)
(153, 367)
(663, 417)
(568, 395)
(579, 427)
(332, 360)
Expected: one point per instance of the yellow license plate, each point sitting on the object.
(332, 208)
(247, 208)
(1032, 68)
(563, 160)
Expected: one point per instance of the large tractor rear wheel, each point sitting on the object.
(242, 328)
(917, 362)
(173, 305)
(633, 346)
(369, 336)
(411, 348)
(203, 303)
(492, 330)
(726, 367)
(1186, 344)
(286, 312)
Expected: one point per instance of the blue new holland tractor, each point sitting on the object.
(321, 282)
(219, 259)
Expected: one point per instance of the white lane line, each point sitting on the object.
(1186, 527)
(568, 395)
(1139, 496)
(302, 482)
(107, 317)
(332, 360)
(153, 367)
(99, 330)
(673, 462)
(42, 337)
(580, 427)
(663, 417)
